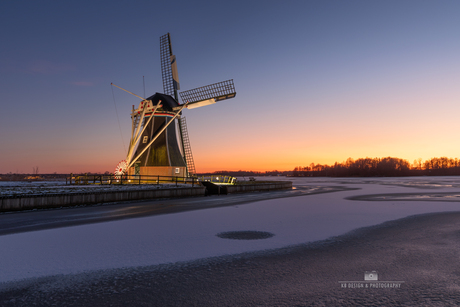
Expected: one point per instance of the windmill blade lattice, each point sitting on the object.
(168, 67)
(218, 91)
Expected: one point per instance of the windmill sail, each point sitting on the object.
(175, 74)
(171, 81)
(209, 94)
(168, 67)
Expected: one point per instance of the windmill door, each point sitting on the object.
(137, 169)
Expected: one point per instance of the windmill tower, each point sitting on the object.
(156, 147)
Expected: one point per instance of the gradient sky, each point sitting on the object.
(316, 81)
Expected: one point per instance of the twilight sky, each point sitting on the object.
(316, 81)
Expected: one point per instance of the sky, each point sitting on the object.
(316, 81)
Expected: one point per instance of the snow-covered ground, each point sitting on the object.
(192, 235)
(11, 188)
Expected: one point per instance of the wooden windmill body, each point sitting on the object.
(159, 142)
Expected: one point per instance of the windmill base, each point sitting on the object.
(169, 171)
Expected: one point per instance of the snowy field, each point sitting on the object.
(191, 235)
(12, 188)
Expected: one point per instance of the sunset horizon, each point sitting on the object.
(412, 164)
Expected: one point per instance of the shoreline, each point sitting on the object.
(66, 198)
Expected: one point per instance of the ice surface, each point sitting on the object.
(192, 235)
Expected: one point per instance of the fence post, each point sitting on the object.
(139, 178)
(176, 181)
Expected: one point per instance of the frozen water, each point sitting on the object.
(192, 235)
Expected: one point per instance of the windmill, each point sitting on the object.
(155, 147)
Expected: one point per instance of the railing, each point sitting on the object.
(217, 179)
(129, 179)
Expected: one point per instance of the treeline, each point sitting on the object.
(22, 177)
(384, 167)
(241, 173)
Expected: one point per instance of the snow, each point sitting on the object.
(192, 235)
(14, 188)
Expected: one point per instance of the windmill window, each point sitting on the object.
(177, 170)
(145, 139)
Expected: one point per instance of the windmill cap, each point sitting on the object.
(167, 101)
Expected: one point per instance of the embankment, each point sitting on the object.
(28, 202)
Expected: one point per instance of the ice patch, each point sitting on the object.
(191, 235)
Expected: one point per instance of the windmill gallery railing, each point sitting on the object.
(128, 179)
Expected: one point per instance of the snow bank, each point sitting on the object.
(14, 188)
